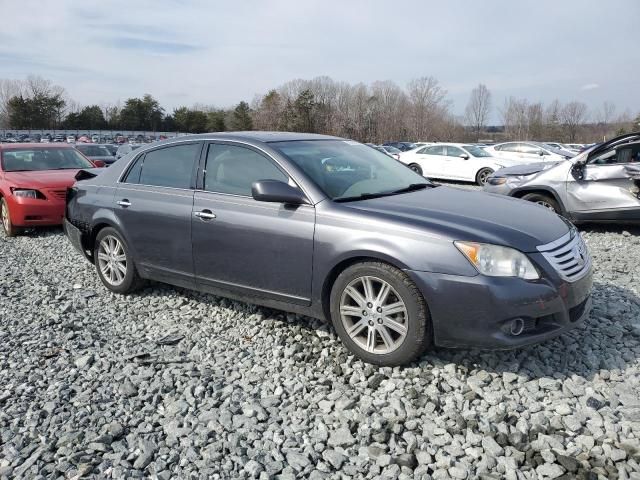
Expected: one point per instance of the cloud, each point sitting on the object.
(589, 86)
(154, 47)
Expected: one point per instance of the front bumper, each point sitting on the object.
(478, 311)
(504, 189)
(35, 212)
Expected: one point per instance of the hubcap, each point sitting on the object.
(374, 315)
(112, 260)
(414, 168)
(5, 217)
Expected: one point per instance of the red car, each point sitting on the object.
(33, 183)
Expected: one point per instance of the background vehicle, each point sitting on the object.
(600, 184)
(95, 152)
(402, 146)
(391, 151)
(333, 229)
(454, 161)
(71, 139)
(33, 183)
(125, 149)
(528, 152)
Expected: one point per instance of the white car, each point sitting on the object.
(454, 161)
(71, 139)
(528, 152)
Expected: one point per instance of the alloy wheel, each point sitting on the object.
(483, 176)
(373, 315)
(112, 260)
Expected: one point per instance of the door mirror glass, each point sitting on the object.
(278, 192)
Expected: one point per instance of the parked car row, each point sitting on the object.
(77, 138)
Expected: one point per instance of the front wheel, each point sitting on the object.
(416, 168)
(543, 200)
(379, 314)
(10, 230)
(483, 175)
(114, 262)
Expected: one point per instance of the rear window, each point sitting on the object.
(37, 159)
(166, 167)
(94, 150)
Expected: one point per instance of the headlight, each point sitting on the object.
(497, 261)
(496, 180)
(23, 192)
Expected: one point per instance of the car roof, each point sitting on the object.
(258, 136)
(33, 146)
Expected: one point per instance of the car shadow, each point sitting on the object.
(608, 340)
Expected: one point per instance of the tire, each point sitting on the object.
(416, 168)
(10, 230)
(482, 175)
(115, 278)
(391, 347)
(543, 200)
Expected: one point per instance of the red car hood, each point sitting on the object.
(42, 179)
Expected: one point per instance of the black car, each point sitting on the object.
(402, 146)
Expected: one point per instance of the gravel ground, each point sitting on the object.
(175, 384)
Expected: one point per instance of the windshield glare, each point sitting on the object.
(476, 151)
(343, 168)
(43, 159)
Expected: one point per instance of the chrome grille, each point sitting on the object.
(568, 255)
(60, 194)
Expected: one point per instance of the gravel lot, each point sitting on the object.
(175, 384)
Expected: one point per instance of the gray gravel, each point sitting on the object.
(175, 384)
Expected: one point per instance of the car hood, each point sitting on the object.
(43, 178)
(470, 215)
(527, 169)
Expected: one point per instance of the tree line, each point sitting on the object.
(376, 112)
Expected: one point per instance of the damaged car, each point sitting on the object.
(599, 185)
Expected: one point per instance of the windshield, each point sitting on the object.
(43, 159)
(346, 169)
(94, 150)
(476, 151)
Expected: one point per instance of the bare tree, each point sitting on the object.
(9, 88)
(478, 109)
(515, 118)
(603, 118)
(427, 101)
(573, 115)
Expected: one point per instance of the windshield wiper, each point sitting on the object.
(367, 196)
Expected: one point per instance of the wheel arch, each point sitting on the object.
(540, 190)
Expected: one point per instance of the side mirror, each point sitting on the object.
(98, 163)
(541, 153)
(278, 192)
(464, 156)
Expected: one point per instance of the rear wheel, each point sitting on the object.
(544, 200)
(379, 314)
(114, 262)
(483, 175)
(416, 168)
(9, 229)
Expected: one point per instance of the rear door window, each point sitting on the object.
(171, 166)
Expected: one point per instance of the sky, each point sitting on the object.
(220, 52)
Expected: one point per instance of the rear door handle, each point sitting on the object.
(124, 203)
(205, 215)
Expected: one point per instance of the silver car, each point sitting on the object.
(599, 185)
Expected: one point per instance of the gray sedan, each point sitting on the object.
(333, 229)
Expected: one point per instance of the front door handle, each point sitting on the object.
(124, 203)
(205, 215)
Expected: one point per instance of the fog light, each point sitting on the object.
(516, 327)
